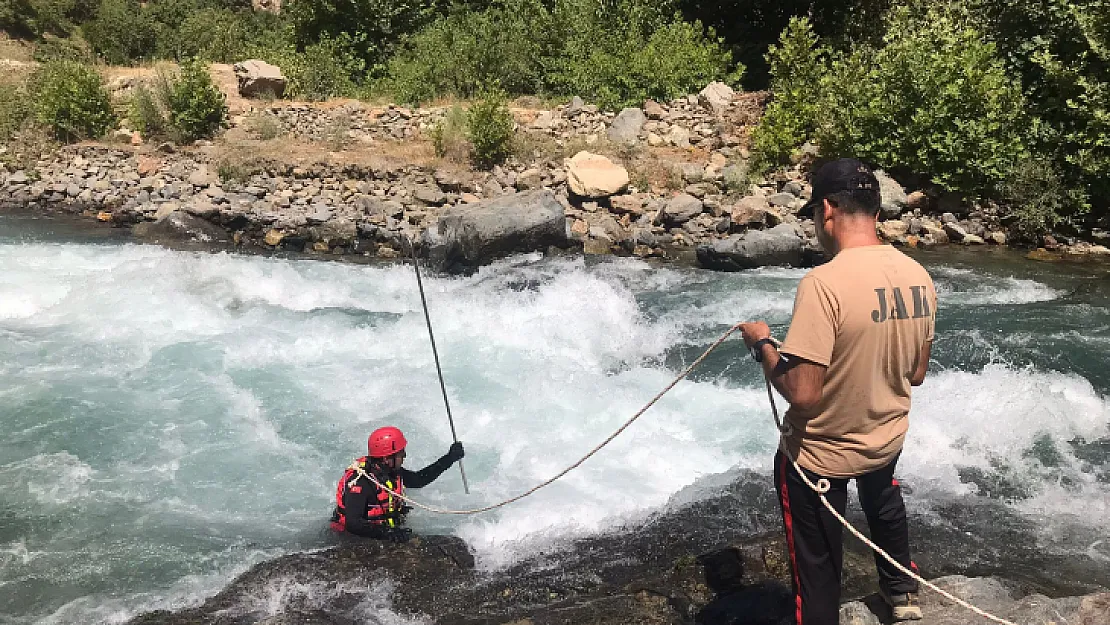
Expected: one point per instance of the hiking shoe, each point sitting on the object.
(904, 607)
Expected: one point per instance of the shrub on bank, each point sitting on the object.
(196, 105)
(612, 53)
(121, 32)
(449, 136)
(934, 98)
(70, 99)
(489, 125)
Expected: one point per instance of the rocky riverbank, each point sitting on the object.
(665, 180)
(719, 560)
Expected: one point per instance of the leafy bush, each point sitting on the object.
(490, 127)
(147, 111)
(34, 18)
(466, 51)
(51, 48)
(614, 52)
(449, 135)
(798, 66)
(1039, 198)
(625, 67)
(15, 110)
(933, 99)
(121, 32)
(371, 27)
(196, 106)
(70, 99)
(216, 35)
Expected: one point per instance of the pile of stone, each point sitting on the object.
(709, 209)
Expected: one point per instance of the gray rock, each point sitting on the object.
(735, 176)
(990, 594)
(201, 208)
(781, 245)
(525, 222)
(894, 197)
(319, 215)
(19, 177)
(336, 232)
(690, 172)
(784, 200)
(717, 96)
(794, 188)
(202, 178)
(626, 127)
(955, 232)
(529, 179)
(654, 110)
(680, 209)
(180, 227)
(258, 78)
(679, 137)
(432, 196)
(575, 107)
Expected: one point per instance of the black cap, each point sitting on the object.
(845, 174)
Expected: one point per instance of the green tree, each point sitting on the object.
(70, 99)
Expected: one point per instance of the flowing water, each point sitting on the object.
(168, 419)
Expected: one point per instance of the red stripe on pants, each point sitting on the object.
(788, 520)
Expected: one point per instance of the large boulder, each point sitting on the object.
(626, 127)
(467, 237)
(781, 245)
(259, 78)
(180, 227)
(754, 211)
(991, 594)
(894, 198)
(716, 96)
(681, 209)
(594, 176)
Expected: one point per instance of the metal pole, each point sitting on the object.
(435, 354)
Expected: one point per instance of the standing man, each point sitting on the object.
(860, 338)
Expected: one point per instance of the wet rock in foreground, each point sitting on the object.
(713, 561)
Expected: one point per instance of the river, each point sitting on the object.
(169, 418)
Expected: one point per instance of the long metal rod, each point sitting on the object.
(435, 354)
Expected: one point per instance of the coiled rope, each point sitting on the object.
(785, 429)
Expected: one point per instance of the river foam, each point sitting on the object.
(171, 416)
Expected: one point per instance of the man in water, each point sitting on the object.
(860, 338)
(363, 508)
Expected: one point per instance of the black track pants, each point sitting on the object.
(814, 536)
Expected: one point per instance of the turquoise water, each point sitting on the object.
(169, 418)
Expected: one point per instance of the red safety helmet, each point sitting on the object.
(385, 442)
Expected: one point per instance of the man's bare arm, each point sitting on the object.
(798, 380)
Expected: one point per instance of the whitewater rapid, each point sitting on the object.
(170, 418)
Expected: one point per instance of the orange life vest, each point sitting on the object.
(383, 512)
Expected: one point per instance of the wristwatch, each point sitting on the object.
(757, 348)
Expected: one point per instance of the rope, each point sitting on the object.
(822, 486)
(572, 467)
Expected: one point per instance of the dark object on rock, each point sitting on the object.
(735, 603)
(181, 227)
(781, 245)
(464, 239)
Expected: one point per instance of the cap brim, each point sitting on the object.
(809, 207)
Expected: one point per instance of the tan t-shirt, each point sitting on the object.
(866, 315)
